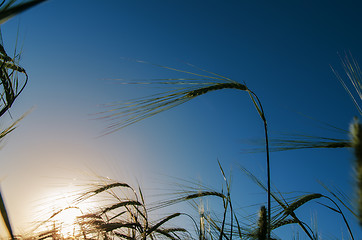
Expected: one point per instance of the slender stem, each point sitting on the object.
(231, 222)
(224, 218)
(262, 115)
(268, 176)
(344, 218)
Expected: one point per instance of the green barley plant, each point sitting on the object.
(185, 89)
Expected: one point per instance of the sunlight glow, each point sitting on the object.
(67, 220)
(64, 211)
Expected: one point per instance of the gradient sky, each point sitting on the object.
(282, 50)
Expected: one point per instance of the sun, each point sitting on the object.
(65, 212)
(66, 219)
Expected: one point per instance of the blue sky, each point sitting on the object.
(282, 50)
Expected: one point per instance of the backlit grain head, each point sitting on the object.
(262, 223)
(356, 139)
(180, 90)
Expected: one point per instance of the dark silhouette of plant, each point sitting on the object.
(11, 85)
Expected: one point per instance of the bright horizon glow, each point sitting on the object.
(63, 211)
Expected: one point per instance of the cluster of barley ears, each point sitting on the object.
(123, 216)
(122, 213)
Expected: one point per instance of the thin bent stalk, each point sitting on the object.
(344, 218)
(261, 113)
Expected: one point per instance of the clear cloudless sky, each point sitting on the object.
(282, 50)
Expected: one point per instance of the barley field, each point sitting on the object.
(180, 120)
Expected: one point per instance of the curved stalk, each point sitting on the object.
(259, 108)
(344, 218)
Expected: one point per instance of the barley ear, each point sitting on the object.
(356, 139)
(262, 224)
